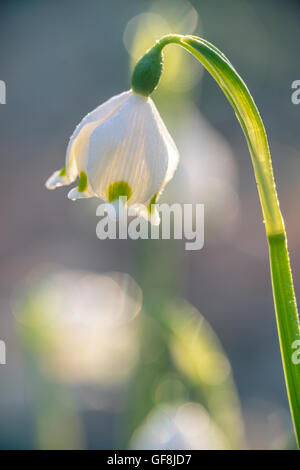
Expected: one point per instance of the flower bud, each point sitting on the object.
(147, 72)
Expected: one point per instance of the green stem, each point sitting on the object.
(287, 321)
(247, 113)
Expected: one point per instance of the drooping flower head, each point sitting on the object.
(122, 148)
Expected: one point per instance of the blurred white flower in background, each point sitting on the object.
(81, 325)
(179, 427)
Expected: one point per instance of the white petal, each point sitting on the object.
(56, 180)
(134, 146)
(172, 149)
(74, 194)
(77, 151)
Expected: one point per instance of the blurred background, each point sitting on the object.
(141, 344)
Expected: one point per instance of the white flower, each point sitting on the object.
(122, 148)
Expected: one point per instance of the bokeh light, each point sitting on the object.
(80, 325)
(183, 427)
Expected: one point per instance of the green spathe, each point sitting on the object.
(147, 72)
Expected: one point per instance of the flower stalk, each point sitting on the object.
(237, 93)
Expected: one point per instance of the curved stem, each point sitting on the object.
(247, 113)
